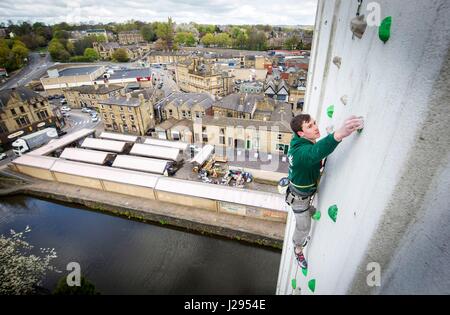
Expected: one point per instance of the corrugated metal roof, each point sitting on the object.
(105, 173)
(85, 155)
(45, 162)
(155, 151)
(165, 143)
(105, 145)
(222, 193)
(62, 142)
(118, 136)
(138, 163)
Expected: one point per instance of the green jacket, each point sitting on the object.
(305, 160)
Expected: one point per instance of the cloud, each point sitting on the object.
(289, 12)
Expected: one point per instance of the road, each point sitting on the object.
(37, 66)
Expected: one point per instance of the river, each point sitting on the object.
(121, 256)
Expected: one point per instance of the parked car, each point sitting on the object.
(65, 108)
(93, 113)
(3, 156)
(66, 114)
(94, 118)
(85, 110)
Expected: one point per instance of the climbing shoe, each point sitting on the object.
(301, 260)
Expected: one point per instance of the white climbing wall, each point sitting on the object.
(384, 179)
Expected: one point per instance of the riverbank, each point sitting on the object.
(256, 231)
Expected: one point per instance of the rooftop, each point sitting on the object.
(78, 71)
(22, 93)
(98, 89)
(130, 73)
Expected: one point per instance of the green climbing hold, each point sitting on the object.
(316, 216)
(305, 271)
(294, 284)
(332, 212)
(384, 31)
(330, 111)
(312, 285)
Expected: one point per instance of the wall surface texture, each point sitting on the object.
(390, 182)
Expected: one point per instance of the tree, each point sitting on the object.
(165, 32)
(85, 288)
(20, 53)
(208, 39)
(57, 51)
(120, 55)
(91, 54)
(292, 42)
(148, 33)
(20, 271)
(222, 40)
(185, 39)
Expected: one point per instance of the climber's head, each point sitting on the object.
(305, 126)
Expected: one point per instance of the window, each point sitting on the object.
(121, 108)
(13, 112)
(129, 109)
(110, 107)
(133, 127)
(102, 107)
(115, 127)
(42, 114)
(112, 116)
(131, 117)
(22, 121)
(183, 114)
(3, 127)
(108, 126)
(189, 114)
(280, 136)
(105, 116)
(198, 114)
(122, 116)
(22, 110)
(170, 113)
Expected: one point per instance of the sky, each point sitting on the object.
(220, 12)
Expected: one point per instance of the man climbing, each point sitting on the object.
(305, 161)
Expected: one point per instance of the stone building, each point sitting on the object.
(90, 95)
(196, 76)
(131, 113)
(23, 111)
